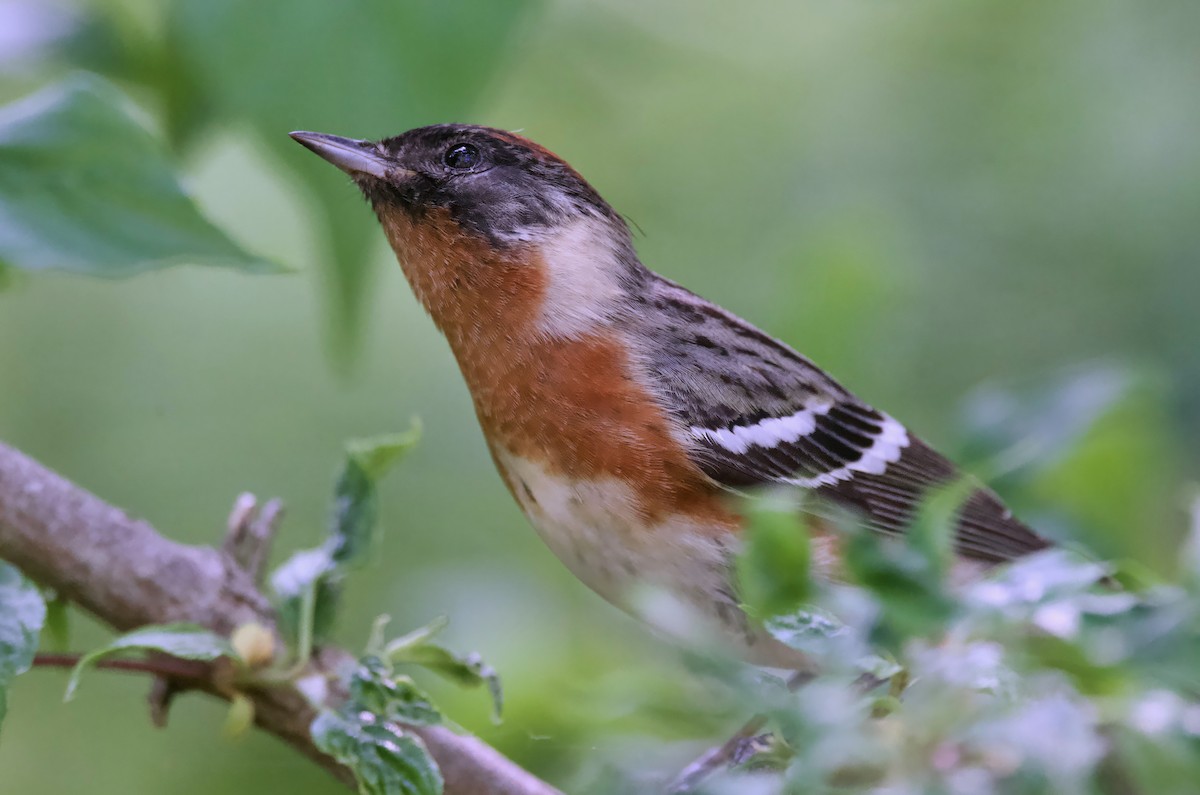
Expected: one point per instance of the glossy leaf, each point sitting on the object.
(377, 689)
(85, 188)
(467, 670)
(385, 759)
(186, 641)
(22, 613)
(810, 631)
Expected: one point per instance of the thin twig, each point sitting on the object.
(714, 759)
(263, 530)
(734, 751)
(122, 571)
(250, 531)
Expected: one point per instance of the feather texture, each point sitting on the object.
(756, 412)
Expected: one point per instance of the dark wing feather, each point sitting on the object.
(986, 530)
(758, 413)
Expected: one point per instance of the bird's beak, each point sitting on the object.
(351, 156)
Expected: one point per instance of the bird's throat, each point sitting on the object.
(474, 292)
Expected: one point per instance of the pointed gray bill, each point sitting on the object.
(348, 154)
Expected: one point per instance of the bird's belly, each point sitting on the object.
(594, 528)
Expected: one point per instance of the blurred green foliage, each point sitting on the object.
(773, 573)
(945, 204)
(275, 65)
(85, 188)
(1042, 678)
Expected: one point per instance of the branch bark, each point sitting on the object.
(125, 573)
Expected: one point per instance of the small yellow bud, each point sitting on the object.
(240, 716)
(254, 643)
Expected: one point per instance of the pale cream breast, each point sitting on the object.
(594, 528)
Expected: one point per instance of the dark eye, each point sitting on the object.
(462, 156)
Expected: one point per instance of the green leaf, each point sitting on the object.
(377, 454)
(363, 733)
(22, 613)
(418, 637)
(773, 567)
(185, 641)
(385, 759)
(1043, 577)
(307, 588)
(466, 670)
(1046, 423)
(85, 188)
(307, 585)
(375, 688)
(399, 64)
(58, 622)
(1156, 640)
(1092, 447)
(355, 503)
(828, 641)
(931, 533)
(1159, 758)
(905, 584)
(809, 631)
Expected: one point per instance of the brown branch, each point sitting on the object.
(121, 570)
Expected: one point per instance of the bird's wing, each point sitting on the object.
(757, 412)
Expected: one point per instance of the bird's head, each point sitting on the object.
(495, 184)
(476, 214)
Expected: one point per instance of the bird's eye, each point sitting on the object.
(462, 157)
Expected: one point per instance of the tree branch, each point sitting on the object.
(121, 570)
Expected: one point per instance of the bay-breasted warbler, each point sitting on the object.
(619, 407)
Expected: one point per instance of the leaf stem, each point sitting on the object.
(304, 632)
(168, 667)
(308, 609)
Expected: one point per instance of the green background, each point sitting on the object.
(937, 201)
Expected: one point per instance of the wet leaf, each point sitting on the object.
(186, 641)
(22, 614)
(385, 759)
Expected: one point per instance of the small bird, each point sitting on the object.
(619, 407)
